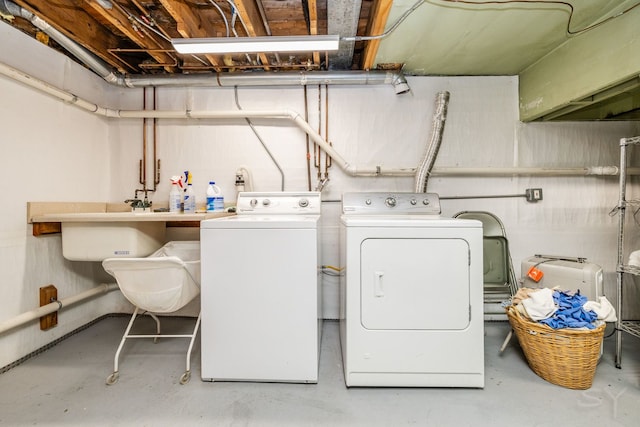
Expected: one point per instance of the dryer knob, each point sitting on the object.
(413, 202)
(367, 202)
(390, 201)
(266, 202)
(425, 202)
(253, 203)
(303, 203)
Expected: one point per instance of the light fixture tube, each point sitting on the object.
(256, 44)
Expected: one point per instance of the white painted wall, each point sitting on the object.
(50, 152)
(60, 153)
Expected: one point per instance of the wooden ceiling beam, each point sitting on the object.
(144, 39)
(377, 21)
(190, 25)
(64, 16)
(250, 15)
(313, 26)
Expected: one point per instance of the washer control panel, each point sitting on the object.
(391, 203)
(284, 202)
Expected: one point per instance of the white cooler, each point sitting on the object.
(565, 272)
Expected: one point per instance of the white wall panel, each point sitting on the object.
(51, 151)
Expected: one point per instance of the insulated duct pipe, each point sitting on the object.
(86, 57)
(439, 118)
(285, 78)
(394, 78)
(300, 122)
(55, 306)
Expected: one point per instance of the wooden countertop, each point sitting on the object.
(47, 217)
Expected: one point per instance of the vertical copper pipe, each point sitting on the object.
(156, 161)
(317, 152)
(143, 177)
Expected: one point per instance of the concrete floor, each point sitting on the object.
(65, 385)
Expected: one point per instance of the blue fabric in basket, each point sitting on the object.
(570, 313)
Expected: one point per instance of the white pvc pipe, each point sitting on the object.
(52, 307)
(506, 171)
(298, 120)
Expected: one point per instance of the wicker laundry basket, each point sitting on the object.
(565, 357)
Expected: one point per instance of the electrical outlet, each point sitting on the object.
(533, 194)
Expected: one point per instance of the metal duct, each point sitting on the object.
(293, 78)
(439, 117)
(84, 56)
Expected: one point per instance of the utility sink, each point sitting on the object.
(90, 232)
(96, 241)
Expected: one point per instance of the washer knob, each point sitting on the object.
(390, 201)
(303, 203)
(266, 202)
(425, 202)
(413, 202)
(367, 202)
(253, 203)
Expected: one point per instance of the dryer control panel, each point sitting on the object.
(391, 203)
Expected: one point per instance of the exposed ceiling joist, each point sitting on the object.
(125, 22)
(377, 22)
(188, 24)
(64, 16)
(538, 40)
(252, 21)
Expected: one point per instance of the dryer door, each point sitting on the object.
(415, 284)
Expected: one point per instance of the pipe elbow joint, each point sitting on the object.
(400, 84)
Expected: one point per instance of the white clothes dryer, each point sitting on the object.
(260, 293)
(411, 304)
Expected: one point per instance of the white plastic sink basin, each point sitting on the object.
(96, 241)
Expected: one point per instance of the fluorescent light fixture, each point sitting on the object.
(257, 44)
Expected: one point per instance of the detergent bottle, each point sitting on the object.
(215, 199)
(175, 195)
(189, 195)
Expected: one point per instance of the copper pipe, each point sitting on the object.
(316, 149)
(143, 178)
(248, 67)
(152, 21)
(159, 65)
(156, 161)
(138, 50)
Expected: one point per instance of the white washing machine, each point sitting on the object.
(411, 310)
(260, 290)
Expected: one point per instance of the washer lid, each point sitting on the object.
(261, 222)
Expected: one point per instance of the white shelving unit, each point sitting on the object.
(622, 269)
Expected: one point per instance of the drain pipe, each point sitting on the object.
(55, 306)
(439, 117)
(300, 122)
